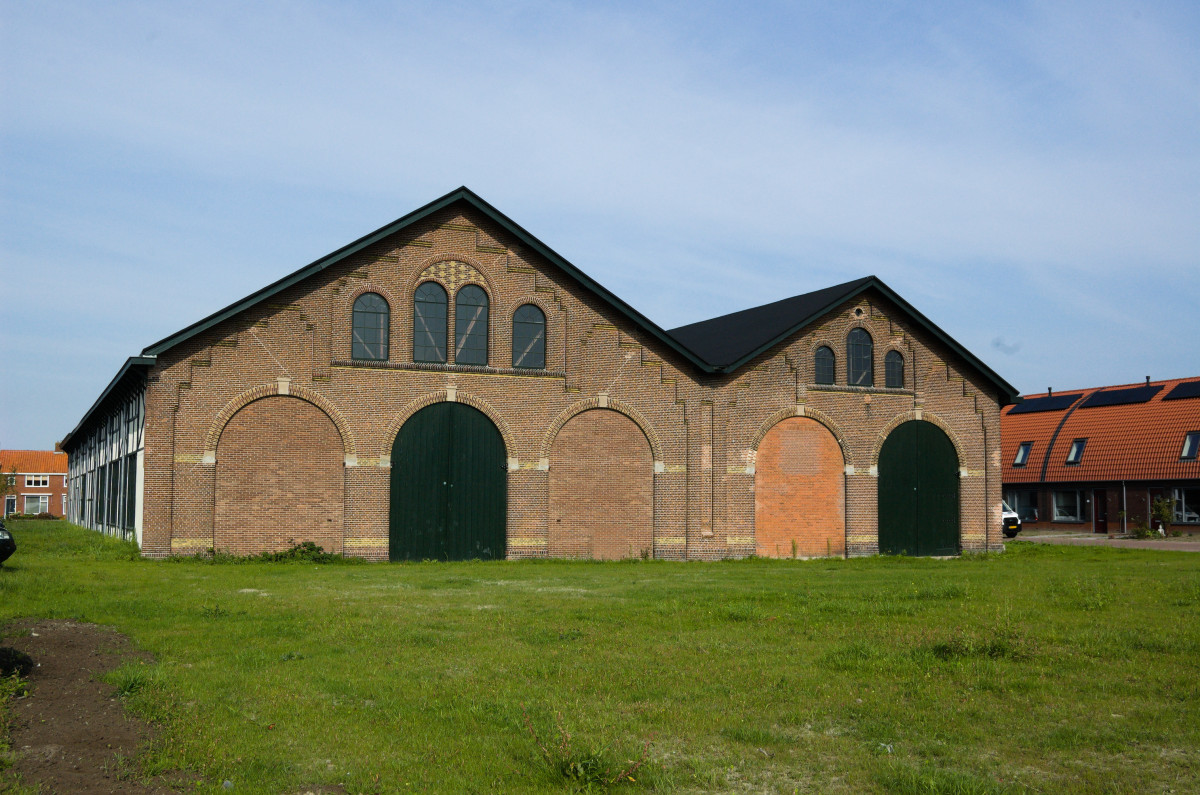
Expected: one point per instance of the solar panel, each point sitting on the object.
(1048, 403)
(1121, 397)
(1188, 389)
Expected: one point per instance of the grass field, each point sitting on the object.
(1044, 669)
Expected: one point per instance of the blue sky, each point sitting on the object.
(1028, 176)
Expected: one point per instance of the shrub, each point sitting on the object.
(14, 662)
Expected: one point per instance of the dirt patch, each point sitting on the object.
(71, 734)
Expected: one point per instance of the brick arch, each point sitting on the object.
(440, 396)
(363, 289)
(594, 403)
(217, 427)
(799, 491)
(811, 413)
(918, 414)
(421, 272)
(839, 359)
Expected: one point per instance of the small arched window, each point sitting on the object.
(369, 327)
(471, 326)
(861, 359)
(824, 362)
(893, 370)
(529, 338)
(429, 323)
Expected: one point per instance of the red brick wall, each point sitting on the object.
(601, 488)
(279, 479)
(799, 492)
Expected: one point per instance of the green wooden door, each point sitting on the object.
(918, 492)
(449, 486)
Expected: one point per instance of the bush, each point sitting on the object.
(14, 662)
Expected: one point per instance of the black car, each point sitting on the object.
(7, 544)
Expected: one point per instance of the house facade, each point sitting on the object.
(449, 387)
(35, 482)
(1096, 459)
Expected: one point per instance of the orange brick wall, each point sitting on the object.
(799, 492)
(281, 487)
(703, 433)
(601, 489)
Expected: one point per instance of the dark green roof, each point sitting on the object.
(128, 377)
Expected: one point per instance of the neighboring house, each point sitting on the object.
(450, 387)
(1096, 459)
(35, 480)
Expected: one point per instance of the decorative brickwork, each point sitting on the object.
(800, 492)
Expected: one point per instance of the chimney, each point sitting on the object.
(1147, 380)
(1049, 391)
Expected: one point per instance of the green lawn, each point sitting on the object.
(1044, 669)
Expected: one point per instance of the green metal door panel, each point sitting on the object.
(449, 486)
(918, 492)
(898, 488)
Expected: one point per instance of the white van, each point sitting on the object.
(1009, 521)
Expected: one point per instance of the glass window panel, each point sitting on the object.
(1187, 506)
(429, 323)
(371, 321)
(471, 326)
(1022, 454)
(529, 337)
(860, 352)
(893, 366)
(1190, 444)
(1076, 451)
(824, 362)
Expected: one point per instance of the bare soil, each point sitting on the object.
(71, 734)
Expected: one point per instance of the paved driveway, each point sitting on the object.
(1182, 543)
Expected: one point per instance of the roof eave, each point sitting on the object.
(132, 363)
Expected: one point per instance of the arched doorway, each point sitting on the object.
(280, 478)
(601, 488)
(799, 492)
(918, 491)
(449, 486)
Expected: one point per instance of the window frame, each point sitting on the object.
(461, 336)
(1075, 452)
(889, 359)
(860, 350)
(1191, 445)
(418, 319)
(42, 500)
(1080, 514)
(384, 329)
(818, 366)
(1181, 506)
(37, 481)
(519, 363)
(1022, 456)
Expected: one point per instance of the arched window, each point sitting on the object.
(893, 370)
(471, 326)
(429, 323)
(369, 327)
(861, 359)
(824, 364)
(529, 337)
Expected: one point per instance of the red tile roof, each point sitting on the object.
(1139, 441)
(37, 462)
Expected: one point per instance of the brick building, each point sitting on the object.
(35, 481)
(1097, 458)
(449, 387)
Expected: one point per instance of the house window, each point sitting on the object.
(1187, 506)
(10, 505)
(1190, 443)
(860, 352)
(37, 481)
(529, 337)
(823, 363)
(1024, 502)
(37, 503)
(893, 370)
(471, 326)
(12, 480)
(1070, 506)
(429, 323)
(371, 320)
(1022, 456)
(1076, 451)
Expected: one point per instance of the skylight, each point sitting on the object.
(1190, 444)
(1076, 451)
(1022, 454)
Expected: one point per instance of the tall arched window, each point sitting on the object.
(369, 325)
(529, 337)
(893, 370)
(860, 358)
(471, 326)
(429, 323)
(824, 362)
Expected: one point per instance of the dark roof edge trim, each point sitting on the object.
(1004, 390)
(461, 194)
(136, 364)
